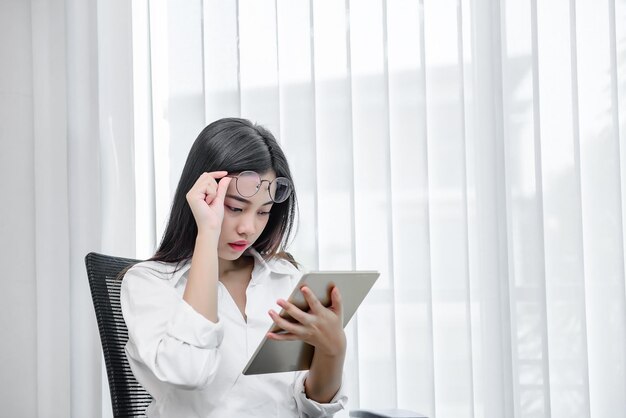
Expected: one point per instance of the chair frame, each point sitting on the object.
(128, 397)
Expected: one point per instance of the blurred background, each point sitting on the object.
(473, 151)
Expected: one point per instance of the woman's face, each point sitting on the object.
(245, 218)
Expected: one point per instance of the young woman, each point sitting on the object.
(197, 310)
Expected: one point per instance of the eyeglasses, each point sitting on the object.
(248, 184)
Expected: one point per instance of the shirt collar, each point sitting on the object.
(262, 267)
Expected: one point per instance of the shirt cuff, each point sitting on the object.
(190, 327)
(313, 409)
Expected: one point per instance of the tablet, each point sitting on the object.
(286, 356)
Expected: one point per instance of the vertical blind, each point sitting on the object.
(471, 151)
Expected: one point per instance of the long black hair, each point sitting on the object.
(233, 145)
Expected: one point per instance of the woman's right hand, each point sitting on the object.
(206, 200)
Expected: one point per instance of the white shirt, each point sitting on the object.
(193, 367)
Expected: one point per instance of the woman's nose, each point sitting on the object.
(246, 225)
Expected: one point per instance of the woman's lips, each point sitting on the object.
(239, 245)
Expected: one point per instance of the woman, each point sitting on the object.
(197, 310)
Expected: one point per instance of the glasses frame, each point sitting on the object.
(260, 183)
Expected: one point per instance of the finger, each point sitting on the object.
(336, 302)
(201, 184)
(282, 323)
(314, 303)
(201, 190)
(295, 312)
(222, 186)
(282, 336)
(217, 174)
(211, 177)
(208, 178)
(210, 190)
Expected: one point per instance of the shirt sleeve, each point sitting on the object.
(309, 408)
(165, 334)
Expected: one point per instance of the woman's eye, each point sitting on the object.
(232, 209)
(264, 213)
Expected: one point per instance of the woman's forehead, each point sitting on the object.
(266, 178)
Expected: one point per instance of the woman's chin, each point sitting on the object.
(230, 254)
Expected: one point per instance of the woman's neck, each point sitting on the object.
(229, 268)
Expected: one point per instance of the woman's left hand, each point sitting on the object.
(321, 327)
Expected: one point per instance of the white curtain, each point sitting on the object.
(472, 151)
(66, 117)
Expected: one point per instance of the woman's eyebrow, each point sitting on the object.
(243, 200)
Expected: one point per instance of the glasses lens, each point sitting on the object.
(248, 183)
(280, 189)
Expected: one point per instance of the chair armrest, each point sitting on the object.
(385, 413)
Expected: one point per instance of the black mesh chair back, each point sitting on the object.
(128, 397)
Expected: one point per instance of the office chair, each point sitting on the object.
(128, 397)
